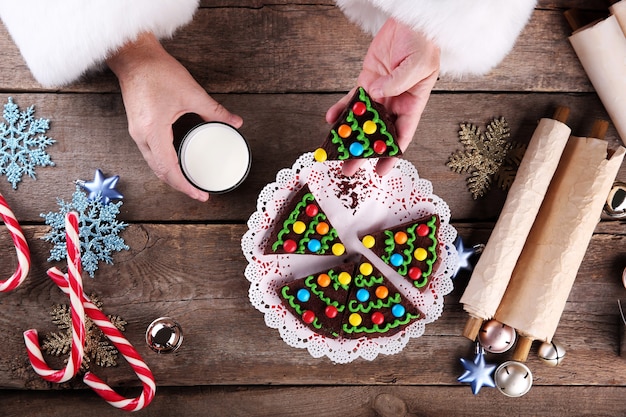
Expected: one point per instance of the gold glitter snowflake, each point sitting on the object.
(98, 349)
(487, 157)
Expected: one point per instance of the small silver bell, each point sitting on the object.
(496, 337)
(164, 335)
(513, 379)
(551, 353)
(615, 205)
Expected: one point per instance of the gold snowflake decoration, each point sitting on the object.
(98, 349)
(487, 157)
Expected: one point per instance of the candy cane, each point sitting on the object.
(123, 346)
(21, 247)
(75, 290)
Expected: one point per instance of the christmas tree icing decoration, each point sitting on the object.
(99, 230)
(487, 157)
(411, 249)
(363, 130)
(303, 228)
(98, 349)
(375, 307)
(22, 143)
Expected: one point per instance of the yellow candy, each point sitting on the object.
(323, 280)
(369, 127)
(320, 155)
(420, 254)
(355, 319)
(366, 269)
(338, 249)
(344, 278)
(299, 227)
(368, 241)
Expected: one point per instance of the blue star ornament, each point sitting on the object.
(465, 256)
(102, 189)
(477, 372)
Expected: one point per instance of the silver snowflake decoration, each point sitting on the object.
(22, 143)
(98, 230)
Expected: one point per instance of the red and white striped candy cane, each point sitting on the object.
(75, 290)
(123, 346)
(21, 247)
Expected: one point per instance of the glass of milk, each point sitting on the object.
(213, 156)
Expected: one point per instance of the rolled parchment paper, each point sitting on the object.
(601, 49)
(495, 266)
(556, 245)
(619, 11)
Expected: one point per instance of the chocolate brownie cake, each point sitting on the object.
(412, 248)
(363, 130)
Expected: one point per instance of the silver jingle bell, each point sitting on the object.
(513, 379)
(551, 353)
(496, 337)
(164, 335)
(615, 205)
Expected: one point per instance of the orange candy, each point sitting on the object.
(323, 280)
(382, 292)
(400, 238)
(322, 228)
(344, 131)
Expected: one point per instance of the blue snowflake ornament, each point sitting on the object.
(98, 230)
(22, 143)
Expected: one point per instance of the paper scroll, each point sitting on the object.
(601, 49)
(556, 246)
(493, 271)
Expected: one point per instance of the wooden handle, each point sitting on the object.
(472, 327)
(524, 343)
(561, 114)
(599, 128)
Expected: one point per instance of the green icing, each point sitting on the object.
(355, 306)
(348, 328)
(293, 216)
(382, 125)
(341, 148)
(311, 283)
(291, 299)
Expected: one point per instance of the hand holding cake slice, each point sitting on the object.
(363, 130)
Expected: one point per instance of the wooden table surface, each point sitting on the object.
(281, 65)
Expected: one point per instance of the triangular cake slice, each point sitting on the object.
(363, 130)
(302, 227)
(319, 299)
(375, 307)
(412, 249)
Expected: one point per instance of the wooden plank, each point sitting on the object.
(295, 48)
(194, 273)
(349, 401)
(91, 133)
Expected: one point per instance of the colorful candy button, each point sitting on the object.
(314, 245)
(338, 249)
(308, 316)
(311, 210)
(368, 241)
(423, 230)
(378, 318)
(366, 269)
(400, 238)
(355, 319)
(299, 227)
(344, 131)
(323, 280)
(322, 228)
(356, 149)
(369, 127)
(379, 147)
(396, 259)
(303, 295)
(420, 254)
(362, 295)
(331, 312)
(415, 273)
(359, 108)
(382, 292)
(398, 310)
(320, 155)
(344, 278)
(290, 246)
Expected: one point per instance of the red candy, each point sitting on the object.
(290, 246)
(308, 316)
(378, 318)
(331, 312)
(423, 230)
(359, 108)
(379, 147)
(415, 273)
(311, 210)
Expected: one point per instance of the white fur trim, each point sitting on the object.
(473, 35)
(62, 39)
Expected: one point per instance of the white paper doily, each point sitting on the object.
(354, 205)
